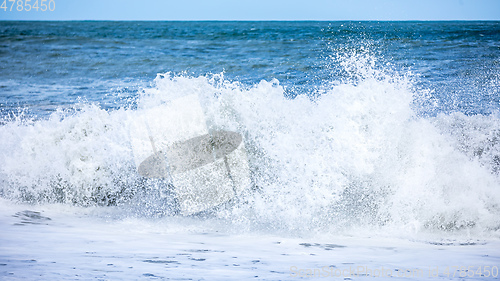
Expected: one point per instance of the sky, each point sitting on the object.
(251, 10)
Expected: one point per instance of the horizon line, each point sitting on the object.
(252, 20)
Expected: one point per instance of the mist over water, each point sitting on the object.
(357, 144)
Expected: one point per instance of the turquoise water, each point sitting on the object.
(45, 65)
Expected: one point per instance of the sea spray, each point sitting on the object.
(354, 155)
(79, 158)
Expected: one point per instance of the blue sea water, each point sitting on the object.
(358, 134)
(57, 62)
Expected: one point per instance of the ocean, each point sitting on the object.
(373, 149)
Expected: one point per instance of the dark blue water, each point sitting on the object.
(50, 65)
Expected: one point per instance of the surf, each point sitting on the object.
(354, 156)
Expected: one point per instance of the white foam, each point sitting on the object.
(58, 242)
(356, 158)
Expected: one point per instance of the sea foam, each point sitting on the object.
(355, 155)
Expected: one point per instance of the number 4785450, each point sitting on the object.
(28, 5)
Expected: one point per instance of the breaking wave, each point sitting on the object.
(354, 155)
